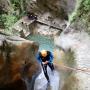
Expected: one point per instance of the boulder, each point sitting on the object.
(17, 62)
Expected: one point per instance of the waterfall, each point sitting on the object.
(42, 84)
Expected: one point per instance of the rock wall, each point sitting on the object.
(17, 62)
(5, 6)
(59, 8)
(50, 13)
(75, 42)
(76, 73)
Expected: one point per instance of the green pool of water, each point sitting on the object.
(44, 42)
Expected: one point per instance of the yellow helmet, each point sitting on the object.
(44, 53)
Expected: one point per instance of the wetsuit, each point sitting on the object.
(48, 58)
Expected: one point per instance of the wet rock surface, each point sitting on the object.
(17, 62)
(75, 45)
(52, 17)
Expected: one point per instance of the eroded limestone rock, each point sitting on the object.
(75, 45)
(17, 62)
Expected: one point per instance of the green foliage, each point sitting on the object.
(19, 5)
(84, 8)
(82, 11)
(75, 14)
(8, 20)
(86, 4)
(81, 15)
(2, 20)
(16, 4)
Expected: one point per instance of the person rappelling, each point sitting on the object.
(46, 59)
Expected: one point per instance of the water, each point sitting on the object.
(44, 42)
(41, 82)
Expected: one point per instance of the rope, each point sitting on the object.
(84, 69)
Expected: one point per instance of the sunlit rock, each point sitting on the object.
(75, 60)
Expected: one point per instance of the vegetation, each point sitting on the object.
(81, 15)
(7, 19)
(82, 10)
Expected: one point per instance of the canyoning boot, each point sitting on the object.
(48, 86)
(53, 72)
(48, 81)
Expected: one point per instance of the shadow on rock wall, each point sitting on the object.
(17, 62)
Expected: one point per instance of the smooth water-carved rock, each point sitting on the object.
(75, 45)
(17, 62)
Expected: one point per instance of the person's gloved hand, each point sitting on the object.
(45, 62)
